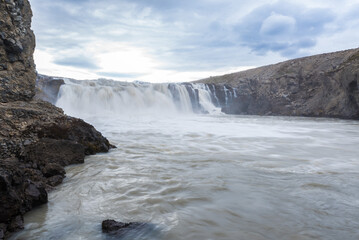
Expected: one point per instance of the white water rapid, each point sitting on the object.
(202, 176)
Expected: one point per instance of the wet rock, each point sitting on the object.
(12, 191)
(53, 169)
(1, 234)
(119, 228)
(131, 230)
(55, 180)
(16, 223)
(36, 194)
(3, 183)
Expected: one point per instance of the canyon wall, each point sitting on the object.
(324, 85)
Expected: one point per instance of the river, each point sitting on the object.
(210, 176)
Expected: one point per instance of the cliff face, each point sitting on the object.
(36, 138)
(324, 85)
(17, 43)
(47, 88)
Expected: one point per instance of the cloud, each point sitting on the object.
(77, 61)
(283, 27)
(125, 38)
(119, 75)
(277, 25)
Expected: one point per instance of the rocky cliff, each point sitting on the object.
(36, 138)
(17, 43)
(324, 85)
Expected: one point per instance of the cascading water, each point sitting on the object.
(205, 98)
(215, 95)
(103, 97)
(234, 93)
(226, 94)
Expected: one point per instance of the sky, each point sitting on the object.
(184, 40)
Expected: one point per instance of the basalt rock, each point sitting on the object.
(18, 194)
(17, 42)
(49, 153)
(324, 85)
(131, 230)
(112, 226)
(24, 123)
(76, 130)
(36, 141)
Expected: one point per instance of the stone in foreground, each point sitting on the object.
(131, 230)
(114, 227)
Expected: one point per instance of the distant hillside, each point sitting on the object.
(324, 85)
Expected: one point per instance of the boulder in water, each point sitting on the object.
(114, 227)
(131, 230)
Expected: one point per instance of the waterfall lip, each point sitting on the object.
(113, 97)
(103, 96)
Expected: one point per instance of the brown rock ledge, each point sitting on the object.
(36, 141)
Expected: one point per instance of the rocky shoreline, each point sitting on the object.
(37, 140)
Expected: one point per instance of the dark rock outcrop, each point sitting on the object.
(114, 227)
(36, 138)
(36, 141)
(18, 193)
(324, 85)
(26, 122)
(131, 230)
(47, 152)
(17, 43)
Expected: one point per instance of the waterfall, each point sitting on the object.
(104, 97)
(226, 94)
(205, 98)
(215, 95)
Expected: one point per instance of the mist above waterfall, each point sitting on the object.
(106, 98)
